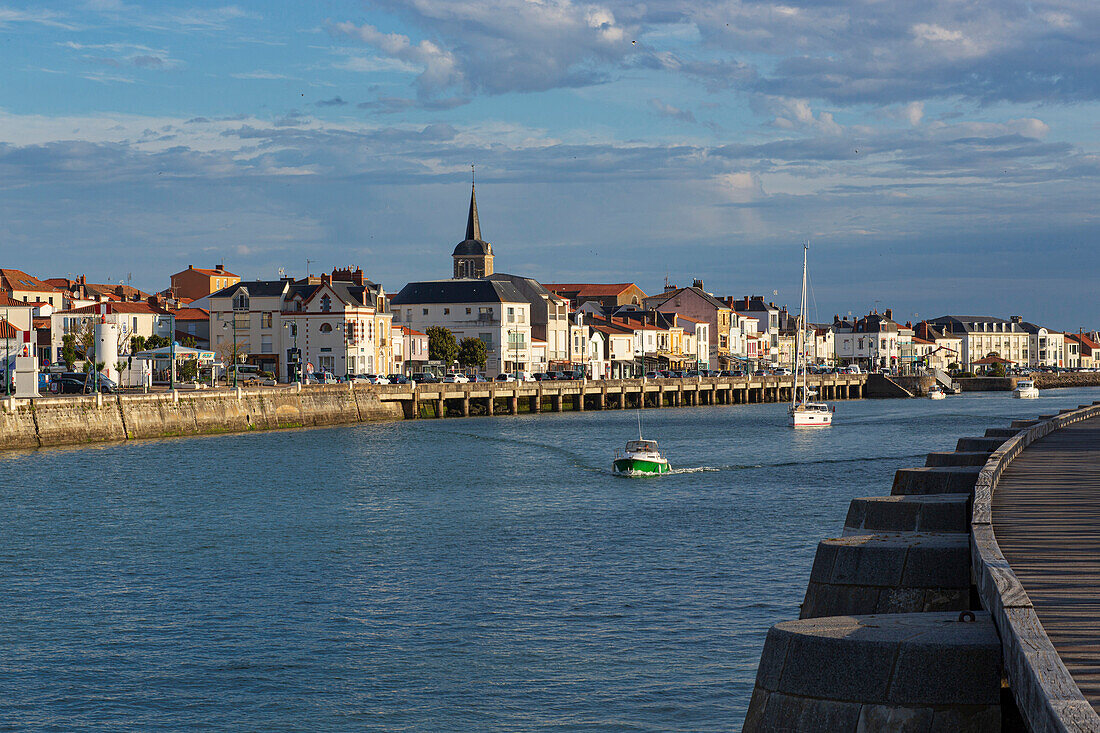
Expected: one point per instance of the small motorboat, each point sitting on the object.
(1026, 390)
(641, 457)
(935, 392)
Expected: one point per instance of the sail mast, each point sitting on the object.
(800, 340)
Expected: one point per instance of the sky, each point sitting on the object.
(939, 157)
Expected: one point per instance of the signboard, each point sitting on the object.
(309, 367)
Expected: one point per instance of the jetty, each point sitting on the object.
(78, 419)
(967, 600)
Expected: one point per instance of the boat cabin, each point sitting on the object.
(641, 446)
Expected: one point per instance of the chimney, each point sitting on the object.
(326, 279)
(219, 268)
(889, 314)
(697, 283)
(190, 267)
(357, 276)
(1016, 319)
(669, 287)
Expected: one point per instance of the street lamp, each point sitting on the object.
(347, 340)
(293, 328)
(7, 355)
(234, 355)
(172, 351)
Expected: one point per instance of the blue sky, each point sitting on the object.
(941, 157)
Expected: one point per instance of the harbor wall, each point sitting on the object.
(54, 421)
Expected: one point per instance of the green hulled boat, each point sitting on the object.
(640, 458)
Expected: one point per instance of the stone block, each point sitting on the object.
(1001, 432)
(957, 458)
(789, 713)
(1024, 423)
(901, 572)
(936, 480)
(979, 444)
(876, 718)
(913, 513)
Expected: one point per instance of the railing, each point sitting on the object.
(1045, 692)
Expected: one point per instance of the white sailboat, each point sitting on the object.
(803, 413)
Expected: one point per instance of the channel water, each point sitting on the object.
(434, 575)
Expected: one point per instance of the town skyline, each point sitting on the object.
(613, 143)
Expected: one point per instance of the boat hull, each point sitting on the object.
(937, 396)
(810, 419)
(1026, 394)
(639, 467)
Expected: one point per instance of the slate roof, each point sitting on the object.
(256, 289)
(661, 298)
(965, 324)
(481, 290)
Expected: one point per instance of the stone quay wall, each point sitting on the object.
(54, 421)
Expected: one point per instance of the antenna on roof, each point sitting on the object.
(472, 181)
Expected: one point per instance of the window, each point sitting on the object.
(446, 311)
(511, 315)
(487, 339)
(265, 320)
(425, 311)
(326, 328)
(265, 344)
(467, 311)
(326, 303)
(240, 302)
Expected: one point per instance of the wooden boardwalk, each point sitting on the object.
(1046, 516)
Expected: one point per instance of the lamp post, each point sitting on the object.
(7, 355)
(293, 328)
(172, 351)
(343, 327)
(234, 355)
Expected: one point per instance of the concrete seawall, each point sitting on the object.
(54, 421)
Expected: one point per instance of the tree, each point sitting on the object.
(471, 352)
(155, 342)
(997, 370)
(441, 345)
(188, 341)
(137, 343)
(189, 370)
(69, 354)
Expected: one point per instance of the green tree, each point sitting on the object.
(442, 345)
(997, 370)
(137, 343)
(155, 342)
(189, 370)
(471, 352)
(188, 341)
(69, 353)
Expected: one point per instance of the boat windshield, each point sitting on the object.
(639, 446)
(1025, 385)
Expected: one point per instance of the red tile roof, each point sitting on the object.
(12, 302)
(113, 307)
(589, 290)
(191, 314)
(406, 331)
(19, 280)
(8, 331)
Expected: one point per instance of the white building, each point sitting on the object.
(491, 310)
(980, 336)
(123, 321)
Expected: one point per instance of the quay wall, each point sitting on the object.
(55, 421)
(1043, 380)
(75, 420)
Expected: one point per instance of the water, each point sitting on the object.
(480, 574)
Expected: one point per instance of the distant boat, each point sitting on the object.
(1026, 390)
(641, 457)
(802, 413)
(935, 392)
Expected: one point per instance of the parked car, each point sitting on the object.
(542, 376)
(425, 378)
(455, 378)
(479, 378)
(555, 376)
(505, 377)
(399, 379)
(323, 378)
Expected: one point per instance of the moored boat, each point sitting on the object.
(935, 392)
(1026, 390)
(802, 413)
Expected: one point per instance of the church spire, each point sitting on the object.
(473, 226)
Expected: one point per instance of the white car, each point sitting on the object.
(455, 379)
(506, 377)
(376, 379)
(358, 379)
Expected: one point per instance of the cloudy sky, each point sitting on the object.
(940, 156)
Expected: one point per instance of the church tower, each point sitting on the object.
(473, 257)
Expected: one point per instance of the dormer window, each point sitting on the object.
(240, 302)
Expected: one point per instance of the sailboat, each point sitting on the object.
(641, 457)
(803, 413)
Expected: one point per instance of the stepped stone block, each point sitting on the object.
(975, 444)
(1000, 432)
(917, 513)
(936, 480)
(904, 572)
(1024, 423)
(957, 458)
(920, 672)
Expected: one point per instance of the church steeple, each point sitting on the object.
(473, 226)
(473, 257)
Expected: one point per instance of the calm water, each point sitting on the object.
(480, 574)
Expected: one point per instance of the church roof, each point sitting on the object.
(473, 244)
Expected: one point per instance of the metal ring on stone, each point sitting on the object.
(966, 616)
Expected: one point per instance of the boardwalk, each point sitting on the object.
(1046, 516)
